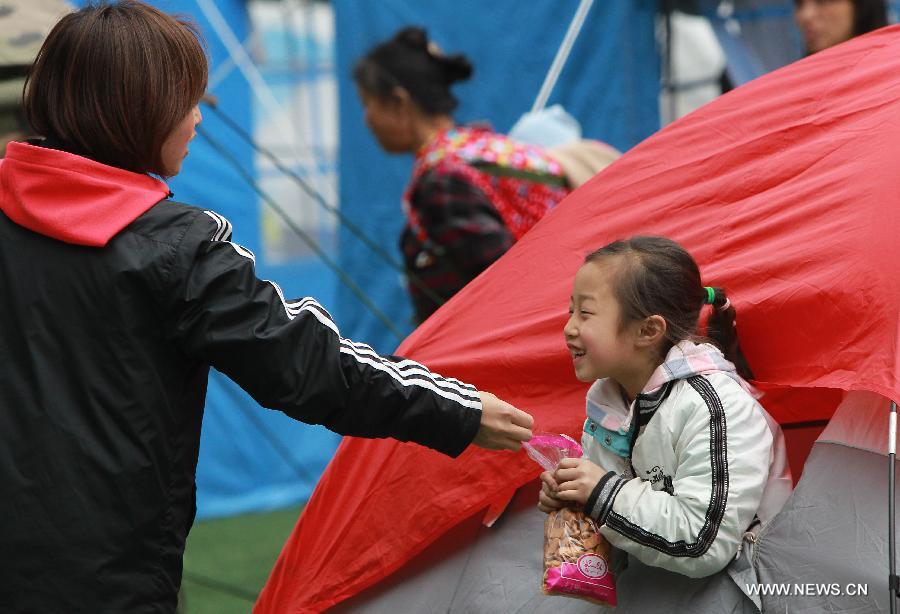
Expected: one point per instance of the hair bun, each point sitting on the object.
(409, 60)
(456, 67)
(413, 37)
(453, 67)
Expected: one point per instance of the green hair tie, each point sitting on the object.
(710, 295)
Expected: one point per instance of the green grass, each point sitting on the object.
(227, 561)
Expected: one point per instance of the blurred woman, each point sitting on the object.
(116, 301)
(473, 192)
(825, 23)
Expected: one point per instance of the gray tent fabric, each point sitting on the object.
(474, 569)
(830, 537)
(825, 552)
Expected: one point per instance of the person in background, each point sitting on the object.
(826, 23)
(680, 461)
(116, 301)
(473, 192)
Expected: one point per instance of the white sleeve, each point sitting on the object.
(722, 458)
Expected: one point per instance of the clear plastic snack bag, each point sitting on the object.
(577, 559)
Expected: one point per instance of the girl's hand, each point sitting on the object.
(577, 477)
(547, 501)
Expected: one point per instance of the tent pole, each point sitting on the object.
(893, 580)
(562, 54)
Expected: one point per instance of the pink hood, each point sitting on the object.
(71, 198)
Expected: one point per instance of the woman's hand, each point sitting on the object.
(547, 501)
(503, 427)
(576, 479)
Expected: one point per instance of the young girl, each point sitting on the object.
(116, 301)
(680, 460)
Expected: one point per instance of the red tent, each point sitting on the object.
(784, 191)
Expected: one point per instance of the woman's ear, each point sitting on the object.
(651, 331)
(400, 97)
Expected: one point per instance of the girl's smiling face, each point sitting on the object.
(600, 345)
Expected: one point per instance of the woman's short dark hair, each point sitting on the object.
(112, 81)
(410, 61)
(868, 15)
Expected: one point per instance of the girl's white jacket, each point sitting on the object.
(707, 465)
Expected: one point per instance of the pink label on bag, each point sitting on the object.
(588, 577)
(591, 566)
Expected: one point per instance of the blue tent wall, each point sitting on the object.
(251, 459)
(610, 83)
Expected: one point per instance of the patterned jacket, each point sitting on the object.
(473, 193)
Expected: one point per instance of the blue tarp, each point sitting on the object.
(251, 459)
(610, 83)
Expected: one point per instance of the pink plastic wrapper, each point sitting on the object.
(576, 556)
(548, 450)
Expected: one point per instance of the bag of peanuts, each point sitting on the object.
(576, 557)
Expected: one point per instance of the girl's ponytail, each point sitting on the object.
(721, 328)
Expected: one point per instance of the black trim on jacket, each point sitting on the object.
(715, 512)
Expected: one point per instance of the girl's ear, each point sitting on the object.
(651, 331)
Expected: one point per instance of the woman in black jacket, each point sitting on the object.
(116, 301)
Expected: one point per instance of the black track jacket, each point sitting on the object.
(113, 306)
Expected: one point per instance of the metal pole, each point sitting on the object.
(893, 580)
(562, 54)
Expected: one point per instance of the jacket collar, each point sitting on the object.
(72, 198)
(607, 406)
